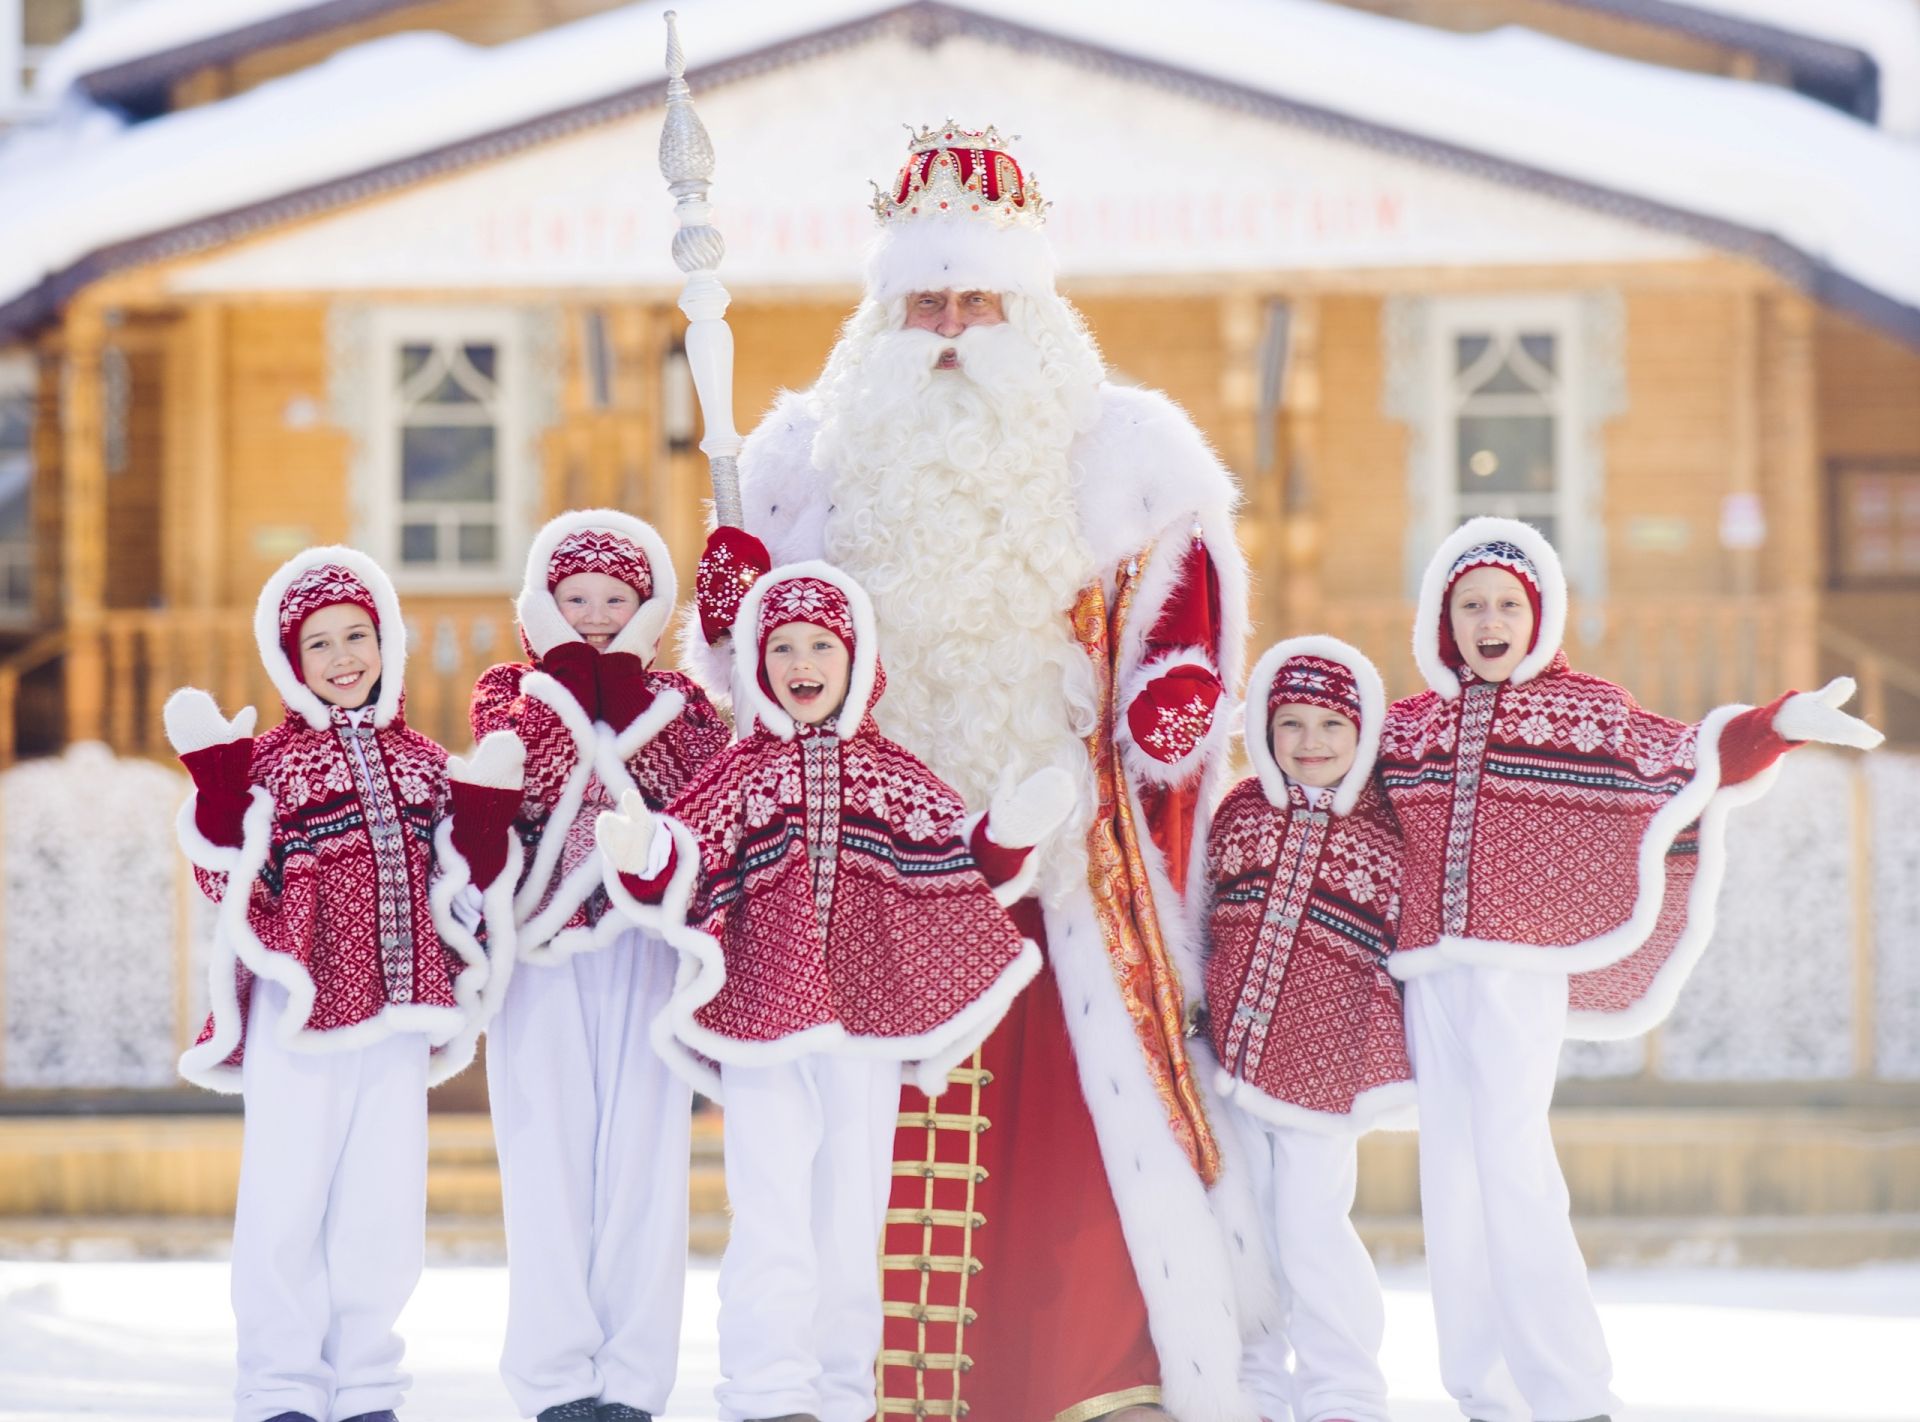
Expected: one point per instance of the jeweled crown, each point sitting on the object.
(961, 172)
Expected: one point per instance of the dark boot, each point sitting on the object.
(290, 1417)
(385, 1414)
(620, 1412)
(581, 1409)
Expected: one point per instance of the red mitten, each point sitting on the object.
(733, 562)
(651, 888)
(1749, 743)
(624, 692)
(998, 863)
(485, 793)
(573, 665)
(1173, 713)
(220, 775)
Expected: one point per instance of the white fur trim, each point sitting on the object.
(540, 616)
(1390, 1107)
(958, 253)
(482, 986)
(202, 852)
(1373, 716)
(1179, 1253)
(1149, 768)
(1703, 798)
(234, 942)
(751, 704)
(1433, 592)
(194, 723)
(709, 664)
(665, 708)
(293, 689)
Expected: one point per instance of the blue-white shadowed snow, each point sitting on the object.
(141, 1341)
(1841, 192)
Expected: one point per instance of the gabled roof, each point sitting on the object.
(1869, 47)
(130, 56)
(1828, 202)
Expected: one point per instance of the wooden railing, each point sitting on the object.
(1679, 656)
(142, 656)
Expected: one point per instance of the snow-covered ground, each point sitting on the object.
(155, 1340)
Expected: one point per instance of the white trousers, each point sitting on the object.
(1520, 1337)
(1303, 1182)
(809, 1162)
(592, 1132)
(329, 1231)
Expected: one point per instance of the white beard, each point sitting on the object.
(953, 505)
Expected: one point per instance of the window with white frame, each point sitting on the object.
(16, 488)
(1505, 396)
(448, 445)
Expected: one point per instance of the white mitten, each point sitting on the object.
(499, 763)
(194, 722)
(1030, 811)
(1816, 716)
(626, 836)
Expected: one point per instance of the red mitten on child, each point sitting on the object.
(624, 693)
(218, 754)
(1754, 739)
(575, 665)
(732, 563)
(486, 796)
(1020, 817)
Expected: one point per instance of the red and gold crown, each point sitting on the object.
(960, 172)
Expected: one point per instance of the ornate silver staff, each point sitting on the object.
(686, 159)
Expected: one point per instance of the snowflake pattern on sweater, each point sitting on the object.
(661, 768)
(837, 879)
(1301, 919)
(343, 892)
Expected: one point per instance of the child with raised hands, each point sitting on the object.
(591, 1128)
(840, 917)
(335, 1004)
(1563, 848)
(1303, 879)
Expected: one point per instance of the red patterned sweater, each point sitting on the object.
(1303, 1016)
(337, 853)
(1561, 824)
(577, 767)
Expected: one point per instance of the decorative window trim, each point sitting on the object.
(361, 340)
(1417, 335)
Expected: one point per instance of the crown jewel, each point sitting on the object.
(962, 172)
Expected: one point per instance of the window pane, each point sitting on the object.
(412, 357)
(477, 543)
(1500, 454)
(480, 355)
(1542, 350)
(16, 425)
(1467, 350)
(19, 583)
(419, 543)
(449, 390)
(447, 464)
(1509, 378)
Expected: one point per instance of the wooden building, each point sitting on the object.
(452, 336)
(396, 273)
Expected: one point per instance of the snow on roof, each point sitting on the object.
(1886, 31)
(1760, 158)
(149, 27)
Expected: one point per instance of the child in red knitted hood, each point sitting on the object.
(834, 891)
(1563, 849)
(1303, 874)
(335, 1004)
(591, 1126)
